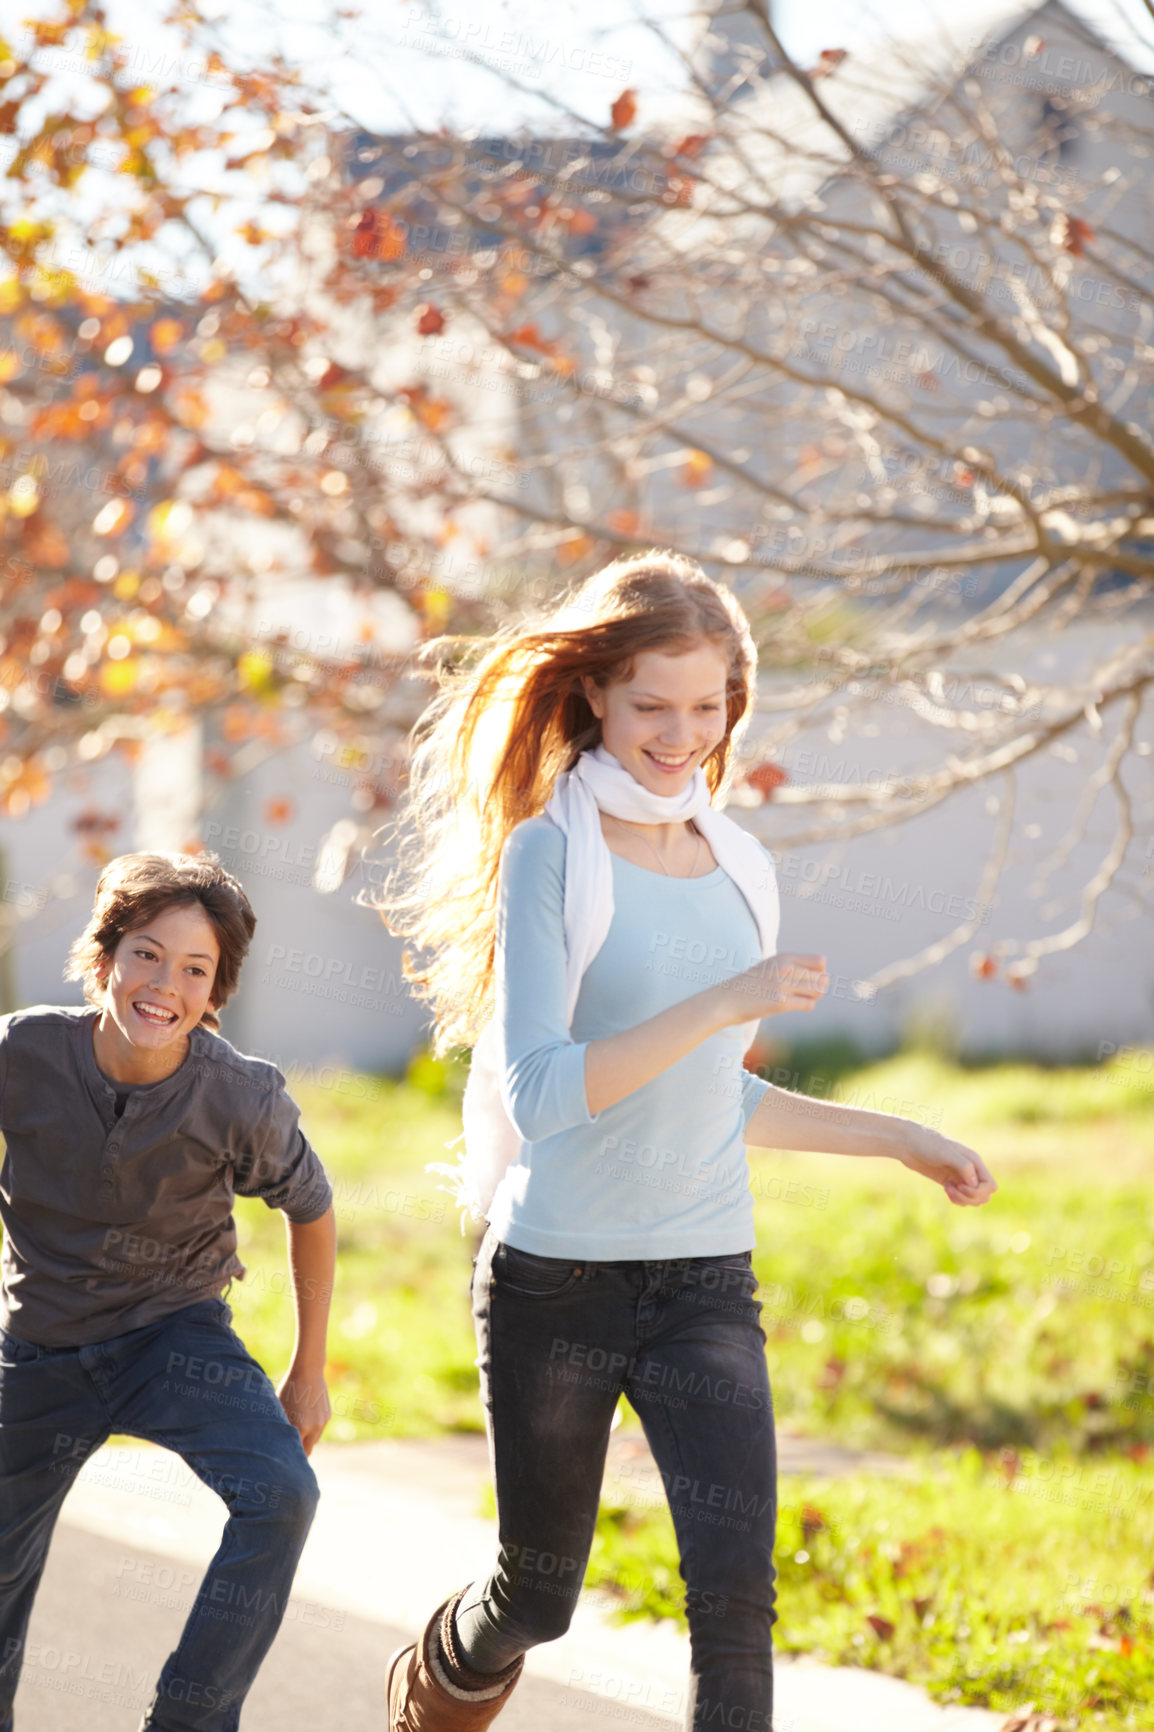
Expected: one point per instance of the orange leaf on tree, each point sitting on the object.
(1071, 233)
(279, 810)
(696, 469)
(765, 777)
(623, 111)
(529, 337)
(165, 334)
(828, 61)
(44, 544)
(431, 321)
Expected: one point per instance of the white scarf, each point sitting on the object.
(598, 782)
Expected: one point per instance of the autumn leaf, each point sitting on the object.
(624, 522)
(765, 777)
(691, 145)
(377, 236)
(278, 810)
(624, 110)
(573, 546)
(881, 1627)
(431, 412)
(165, 334)
(44, 544)
(529, 337)
(1071, 233)
(828, 61)
(430, 321)
(696, 469)
(983, 967)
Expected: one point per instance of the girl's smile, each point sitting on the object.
(664, 721)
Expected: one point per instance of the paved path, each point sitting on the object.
(398, 1529)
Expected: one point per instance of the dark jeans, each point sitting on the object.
(560, 1340)
(186, 1382)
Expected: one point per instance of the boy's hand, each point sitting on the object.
(305, 1399)
(962, 1174)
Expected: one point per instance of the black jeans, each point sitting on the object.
(560, 1340)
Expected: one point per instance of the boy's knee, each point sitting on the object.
(297, 1495)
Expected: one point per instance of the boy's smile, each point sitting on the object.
(158, 985)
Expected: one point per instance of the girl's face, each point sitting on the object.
(664, 721)
(158, 983)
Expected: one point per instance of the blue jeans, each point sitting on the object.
(561, 1339)
(188, 1383)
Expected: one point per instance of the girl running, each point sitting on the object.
(605, 939)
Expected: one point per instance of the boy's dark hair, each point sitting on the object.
(133, 888)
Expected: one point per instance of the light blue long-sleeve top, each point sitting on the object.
(663, 1172)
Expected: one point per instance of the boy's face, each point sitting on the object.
(160, 978)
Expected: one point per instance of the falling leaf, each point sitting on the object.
(430, 321)
(624, 110)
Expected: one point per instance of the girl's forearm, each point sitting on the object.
(782, 1120)
(312, 1248)
(621, 1063)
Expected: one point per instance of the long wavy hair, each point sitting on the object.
(508, 718)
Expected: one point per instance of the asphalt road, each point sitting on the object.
(93, 1656)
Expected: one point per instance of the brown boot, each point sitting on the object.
(422, 1697)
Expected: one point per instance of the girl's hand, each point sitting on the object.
(961, 1173)
(779, 983)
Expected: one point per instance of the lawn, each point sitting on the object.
(1006, 1352)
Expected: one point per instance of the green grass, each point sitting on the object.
(987, 1586)
(1007, 1352)
(893, 1318)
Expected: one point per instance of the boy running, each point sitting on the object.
(130, 1125)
